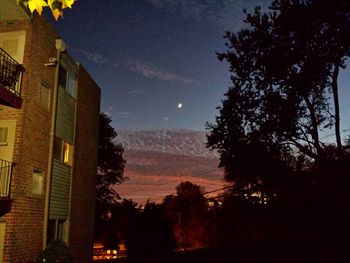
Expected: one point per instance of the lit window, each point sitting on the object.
(63, 151)
(67, 153)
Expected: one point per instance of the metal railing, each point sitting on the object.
(10, 73)
(5, 178)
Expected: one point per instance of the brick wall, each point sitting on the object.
(85, 163)
(24, 224)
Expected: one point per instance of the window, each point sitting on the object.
(3, 136)
(67, 153)
(56, 230)
(67, 80)
(71, 84)
(38, 182)
(62, 79)
(63, 151)
(57, 149)
(45, 93)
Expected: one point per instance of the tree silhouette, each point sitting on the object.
(150, 235)
(188, 212)
(111, 163)
(284, 67)
(110, 170)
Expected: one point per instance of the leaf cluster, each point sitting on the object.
(56, 6)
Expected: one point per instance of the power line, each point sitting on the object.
(205, 193)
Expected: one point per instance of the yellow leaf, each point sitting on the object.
(57, 13)
(36, 5)
(67, 3)
(55, 4)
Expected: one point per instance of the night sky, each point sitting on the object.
(156, 64)
(150, 55)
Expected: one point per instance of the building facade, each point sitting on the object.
(49, 119)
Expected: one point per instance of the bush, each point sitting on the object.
(56, 252)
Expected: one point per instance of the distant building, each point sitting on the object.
(49, 119)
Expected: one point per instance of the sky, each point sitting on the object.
(155, 60)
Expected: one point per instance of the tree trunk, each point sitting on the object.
(336, 104)
(314, 128)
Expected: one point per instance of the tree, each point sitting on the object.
(56, 6)
(284, 67)
(110, 170)
(187, 210)
(115, 229)
(150, 235)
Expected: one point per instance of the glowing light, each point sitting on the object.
(179, 105)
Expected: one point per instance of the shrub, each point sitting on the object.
(56, 252)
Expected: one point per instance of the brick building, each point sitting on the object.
(49, 115)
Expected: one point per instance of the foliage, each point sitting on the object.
(115, 229)
(284, 69)
(188, 210)
(110, 161)
(110, 171)
(56, 6)
(150, 235)
(56, 252)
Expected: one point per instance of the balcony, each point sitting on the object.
(5, 186)
(10, 81)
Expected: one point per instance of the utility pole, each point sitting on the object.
(181, 230)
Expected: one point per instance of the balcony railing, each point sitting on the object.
(5, 178)
(10, 80)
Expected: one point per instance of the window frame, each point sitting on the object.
(44, 85)
(63, 151)
(40, 173)
(64, 80)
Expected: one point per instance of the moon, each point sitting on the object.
(179, 105)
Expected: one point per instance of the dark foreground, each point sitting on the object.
(271, 253)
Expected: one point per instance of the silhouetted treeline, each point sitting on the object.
(289, 200)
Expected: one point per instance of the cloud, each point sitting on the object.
(141, 187)
(143, 68)
(150, 71)
(226, 13)
(108, 113)
(124, 114)
(160, 160)
(95, 57)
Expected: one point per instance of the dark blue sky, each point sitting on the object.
(149, 55)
